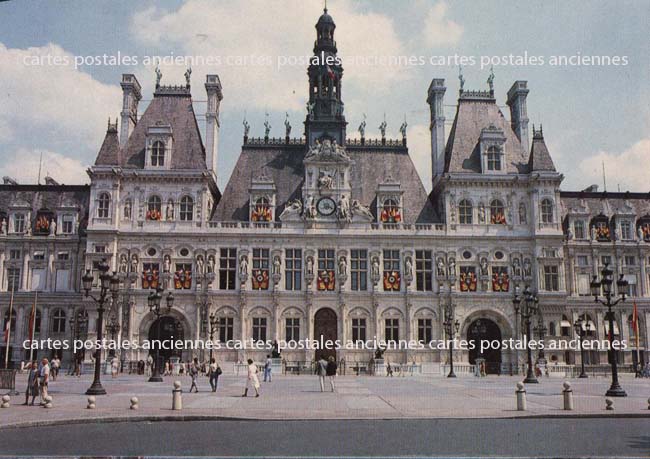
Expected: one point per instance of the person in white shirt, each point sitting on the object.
(44, 375)
(252, 380)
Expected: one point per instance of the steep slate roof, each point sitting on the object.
(596, 203)
(463, 146)
(285, 166)
(540, 158)
(109, 153)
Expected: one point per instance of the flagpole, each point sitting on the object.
(8, 331)
(32, 326)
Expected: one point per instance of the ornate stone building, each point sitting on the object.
(324, 236)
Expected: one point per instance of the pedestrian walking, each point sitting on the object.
(194, 374)
(44, 375)
(149, 365)
(321, 371)
(214, 371)
(389, 369)
(55, 364)
(252, 381)
(32, 383)
(267, 368)
(115, 366)
(331, 371)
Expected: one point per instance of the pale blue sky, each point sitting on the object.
(590, 114)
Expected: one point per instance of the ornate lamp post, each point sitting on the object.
(451, 328)
(540, 329)
(214, 323)
(108, 284)
(605, 286)
(78, 323)
(527, 306)
(153, 300)
(582, 328)
(112, 327)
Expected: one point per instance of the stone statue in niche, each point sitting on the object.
(134, 263)
(3, 227)
(277, 265)
(211, 263)
(200, 266)
(452, 266)
(440, 264)
(516, 267)
(342, 266)
(243, 266)
(375, 268)
(169, 212)
(484, 267)
(528, 269)
(481, 213)
(124, 262)
(325, 180)
(522, 214)
(310, 265)
(52, 227)
(310, 207)
(344, 208)
(408, 268)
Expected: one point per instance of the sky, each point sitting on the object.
(56, 98)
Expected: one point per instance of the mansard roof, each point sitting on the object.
(605, 203)
(284, 165)
(540, 158)
(477, 111)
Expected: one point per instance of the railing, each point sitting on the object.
(431, 228)
(460, 369)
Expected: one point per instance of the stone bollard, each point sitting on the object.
(48, 402)
(177, 401)
(649, 403)
(521, 397)
(91, 403)
(609, 404)
(134, 403)
(568, 396)
(5, 401)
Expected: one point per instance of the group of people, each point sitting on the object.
(38, 379)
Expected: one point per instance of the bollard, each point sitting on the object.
(134, 403)
(610, 404)
(48, 402)
(91, 403)
(521, 397)
(568, 396)
(177, 401)
(5, 401)
(649, 403)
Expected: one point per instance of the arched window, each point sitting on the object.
(158, 153)
(390, 212)
(547, 211)
(187, 208)
(154, 208)
(494, 158)
(262, 211)
(497, 213)
(58, 321)
(37, 322)
(465, 212)
(103, 205)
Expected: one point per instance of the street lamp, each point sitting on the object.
(527, 306)
(451, 329)
(214, 323)
(153, 301)
(108, 284)
(113, 327)
(582, 328)
(540, 329)
(605, 286)
(78, 324)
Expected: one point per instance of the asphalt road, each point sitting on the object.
(434, 437)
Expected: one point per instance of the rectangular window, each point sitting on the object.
(359, 269)
(292, 329)
(226, 329)
(583, 260)
(14, 254)
(467, 279)
(500, 279)
(550, 253)
(579, 229)
(67, 224)
(392, 330)
(425, 328)
(259, 328)
(13, 279)
(606, 260)
(100, 249)
(183, 276)
(392, 281)
(583, 285)
(631, 279)
(551, 279)
(260, 269)
(423, 270)
(150, 275)
(39, 255)
(19, 223)
(95, 272)
(63, 256)
(293, 269)
(358, 330)
(326, 274)
(626, 231)
(630, 260)
(62, 280)
(38, 280)
(227, 269)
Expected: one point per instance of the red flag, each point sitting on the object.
(7, 326)
(331, 73)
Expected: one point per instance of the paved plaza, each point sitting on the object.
(299, 397)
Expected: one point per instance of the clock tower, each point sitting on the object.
(325, 119)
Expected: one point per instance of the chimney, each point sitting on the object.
(435, 99)
(518, 112)
(130, 97)
(213, 89)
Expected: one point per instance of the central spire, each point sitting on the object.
(325, 118)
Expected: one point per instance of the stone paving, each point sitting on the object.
(299, 397)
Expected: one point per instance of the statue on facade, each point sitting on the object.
(452, 266)
(440, 265)
(124, 262)
(402, 129)
(247, 127)
(528, 269)
(639, 232)
(3, 227)
(343, 266)
(200, 265)
(127, 210)
(594, 233)
(292, 208)
(359, 209)
(490, 80)
(52, 227)
(134, 263)
(243, 266)
(211, 263)
(375, 268)
(169, 211)
(325, 179)
(188, 75)
(310, 265)
(310, 109)
(382, 128)
(267, 126)
(158, 76)
(516, 267)
(167, 264)
(481, 213)
(522, 214)
(461, 79)
(408, 268)
(362, 127)
(287, 125)
(484, 266)
(344, 208)
(310, 207)
(277, 265)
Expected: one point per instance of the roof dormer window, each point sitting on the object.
(494, 158)
(492, 144)
(159, 146)
(158, 154)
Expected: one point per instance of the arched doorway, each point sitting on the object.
(485, 329)
(170, 329)
(325, 329)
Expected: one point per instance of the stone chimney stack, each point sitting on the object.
(131, 95)
(435, 99)
(213, 89)
(518, 112)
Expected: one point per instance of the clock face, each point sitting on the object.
(326, 206)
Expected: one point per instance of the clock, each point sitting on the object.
(326, 206)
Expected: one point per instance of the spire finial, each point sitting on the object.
(325, 7)
(461, 78)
